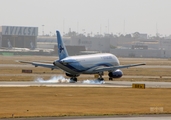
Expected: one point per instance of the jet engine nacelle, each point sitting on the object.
(70, 75)
(116, 74)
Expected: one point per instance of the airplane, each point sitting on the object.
(74, 66)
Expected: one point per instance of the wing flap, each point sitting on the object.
(113, 68)
(36, 64)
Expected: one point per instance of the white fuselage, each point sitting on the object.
(85, 64)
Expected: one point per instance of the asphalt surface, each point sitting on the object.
(83, 75)
(88, 83)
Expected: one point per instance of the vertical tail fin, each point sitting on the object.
(62, 51)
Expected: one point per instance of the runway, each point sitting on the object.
(105, 76)
(80, 84)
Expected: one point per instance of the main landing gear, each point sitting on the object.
(73, 79)
(100, 76)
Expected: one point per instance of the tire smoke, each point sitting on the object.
(53, 79)
(61, 79)
(93, 82)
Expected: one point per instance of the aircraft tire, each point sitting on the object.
(101, 79)
(74, 79)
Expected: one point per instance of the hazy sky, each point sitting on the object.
(144, 16)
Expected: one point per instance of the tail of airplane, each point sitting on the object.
(62, 51)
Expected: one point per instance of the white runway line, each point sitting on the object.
(34, 84)
(61, 86)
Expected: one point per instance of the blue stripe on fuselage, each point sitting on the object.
(76, 66)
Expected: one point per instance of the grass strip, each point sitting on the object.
(58, 101)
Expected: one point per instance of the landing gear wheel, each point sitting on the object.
(100, 76)
(101, 79)
(73, 79)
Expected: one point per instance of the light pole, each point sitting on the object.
(43, 30)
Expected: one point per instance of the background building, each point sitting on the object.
(18, 36)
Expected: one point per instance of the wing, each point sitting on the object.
(36, 64)
(113, 68)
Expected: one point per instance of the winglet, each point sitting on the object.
(62, 51)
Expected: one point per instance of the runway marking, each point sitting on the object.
(61, 86)
(80, 84)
